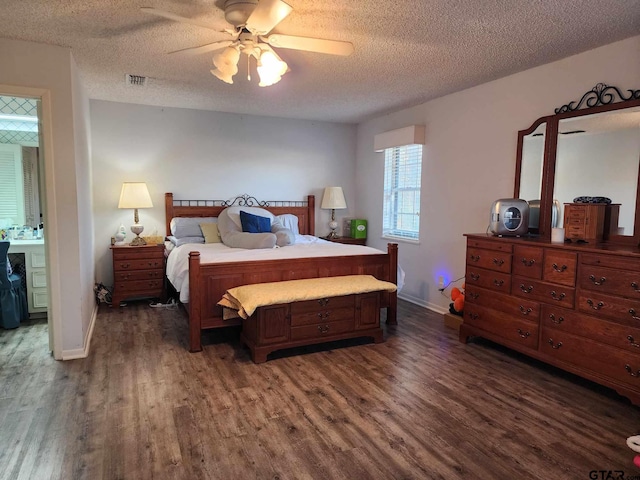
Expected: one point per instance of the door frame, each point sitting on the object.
(54, 311)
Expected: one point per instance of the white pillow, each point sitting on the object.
(290, 221)
(181, 241)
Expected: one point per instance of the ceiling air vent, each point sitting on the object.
(135, 80)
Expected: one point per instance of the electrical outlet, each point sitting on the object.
(440, 281)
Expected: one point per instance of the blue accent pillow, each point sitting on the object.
(254, 223)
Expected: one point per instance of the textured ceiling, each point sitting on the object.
(406, 51)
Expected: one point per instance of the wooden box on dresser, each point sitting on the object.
(137, 272)
(575, 306)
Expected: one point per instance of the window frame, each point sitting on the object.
(408, 157)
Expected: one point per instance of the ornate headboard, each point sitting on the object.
(303, 209)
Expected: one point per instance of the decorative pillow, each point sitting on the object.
(189, 226)
(181, 241)
(289, 221)
(254, 223)
(231, 233)
(210, 232)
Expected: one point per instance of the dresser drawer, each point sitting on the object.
(488, 279)
(124, 275)
(320, 330)
(528, 261)
(145, 264)
(618, 309)
(499, 323)
(618, 262)
(138, 253)
(602, 279)
(517, 307)
(560, 267)
(543, 292)
(496, 245)
(615, 363)
(491, 260)
(614, 334)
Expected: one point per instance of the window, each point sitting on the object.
(402, 173)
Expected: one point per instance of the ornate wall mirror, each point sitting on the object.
(589, 148)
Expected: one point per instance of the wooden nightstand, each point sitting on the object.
(138, 272)
(348, 240)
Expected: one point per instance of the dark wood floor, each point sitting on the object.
(421, 406)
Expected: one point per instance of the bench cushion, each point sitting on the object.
(246, 298)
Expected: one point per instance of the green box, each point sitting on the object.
(358, 228)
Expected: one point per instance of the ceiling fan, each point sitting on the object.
(252, 20)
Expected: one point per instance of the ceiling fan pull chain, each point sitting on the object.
(249, 67)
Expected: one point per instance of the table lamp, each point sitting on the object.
(135, 195)
(333, 198)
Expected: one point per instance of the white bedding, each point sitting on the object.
(305, 246)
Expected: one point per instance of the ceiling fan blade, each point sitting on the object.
(210, 47)
(266, 15)
(177, 18)
(332, 47)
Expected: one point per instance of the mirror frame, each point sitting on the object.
(602, 98)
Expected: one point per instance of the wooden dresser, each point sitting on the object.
(275, 327)
(574, 306)
(138, 272)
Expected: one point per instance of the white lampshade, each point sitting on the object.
(333, 198)
(135, 195)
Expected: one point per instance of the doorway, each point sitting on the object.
(25, 145)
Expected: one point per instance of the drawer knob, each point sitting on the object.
(557, 297)
(631, 372)
(559, 269)
(472, 316)
(125, 265)
(598, 306)
(473, 295)
(632, 342)
(528, 263)
(524, 289)
(323, 328)
(474, 277)
(525, 312)
(323, 315)
(498, 261)
(554, 346)
(475, 258)
(597, 282)
(498, 283)
(634, 285)
(632, 312)
(552, 317)
(523, 334)
(323, 302)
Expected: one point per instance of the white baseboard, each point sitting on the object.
(422, 303)
(83, 352)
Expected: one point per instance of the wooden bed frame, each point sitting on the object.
(208, 282)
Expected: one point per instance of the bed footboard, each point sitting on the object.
(208, 282)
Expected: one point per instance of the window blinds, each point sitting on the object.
(11, 185)
(402, 178)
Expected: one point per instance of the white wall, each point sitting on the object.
(469, 158)
(82, 148)
(210, 155)
(48, 67)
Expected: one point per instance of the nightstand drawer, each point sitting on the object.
(147, 264)
(139, 285)
(139, 275)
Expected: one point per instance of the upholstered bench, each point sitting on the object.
(294, 313)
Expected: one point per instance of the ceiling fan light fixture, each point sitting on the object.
(270, 68)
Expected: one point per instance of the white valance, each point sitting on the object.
(411, 135)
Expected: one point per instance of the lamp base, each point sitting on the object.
(138, 241)
(332, 234)
(137, 229)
